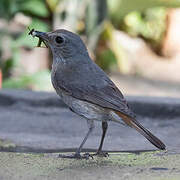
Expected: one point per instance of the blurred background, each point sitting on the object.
(136, 42)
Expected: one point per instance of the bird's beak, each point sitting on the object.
(43, 37)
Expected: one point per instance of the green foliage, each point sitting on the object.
(118, 9)
(112, 49)
(37, 81)
(6, 67)
(25, 40)
(106, 59)
(144, 18)
(36, 10)
(151, 25)
(8, 8)
(52, 4)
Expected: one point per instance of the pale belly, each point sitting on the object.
(86, 109)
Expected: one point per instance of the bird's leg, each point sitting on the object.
(99, 151)
(77, 154)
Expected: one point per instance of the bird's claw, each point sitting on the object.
(101, 154)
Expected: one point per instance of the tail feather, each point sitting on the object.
(143, 131)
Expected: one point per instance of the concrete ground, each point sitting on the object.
(36, 126)
(126, 166)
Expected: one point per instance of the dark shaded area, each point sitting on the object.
(155, 107)
(40, 122)
(159, 169)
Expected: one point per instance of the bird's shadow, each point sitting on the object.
(25, 149)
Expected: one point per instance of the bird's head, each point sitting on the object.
(63, 44)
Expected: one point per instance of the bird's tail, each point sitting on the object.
(143, 131)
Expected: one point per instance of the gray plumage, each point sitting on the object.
(85, 87)
(78, 76)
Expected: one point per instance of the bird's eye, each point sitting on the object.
(59, 40)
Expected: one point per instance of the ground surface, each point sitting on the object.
(151, 166)
(41, 124)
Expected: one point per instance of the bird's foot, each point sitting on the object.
(101, 154)
(76, 156)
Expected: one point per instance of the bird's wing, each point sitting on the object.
(94, 86)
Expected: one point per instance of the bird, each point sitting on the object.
(86, 89)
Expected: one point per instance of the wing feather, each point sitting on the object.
(91, 84)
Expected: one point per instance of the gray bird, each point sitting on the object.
(86, 89)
